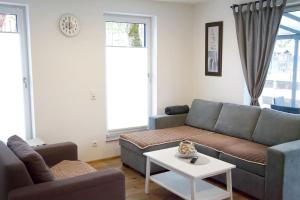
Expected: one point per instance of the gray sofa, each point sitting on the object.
(264, 144)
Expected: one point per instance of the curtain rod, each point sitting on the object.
(243, 4)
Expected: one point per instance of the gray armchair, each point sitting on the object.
(16, 183)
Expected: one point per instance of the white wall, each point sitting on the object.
(65, 70)
(231, 86)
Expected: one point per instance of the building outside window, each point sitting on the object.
(283, 79)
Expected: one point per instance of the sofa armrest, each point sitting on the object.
(166, 121)
(282, 172)
(107, 184)
(55, 153)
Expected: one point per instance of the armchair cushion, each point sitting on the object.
(69, 169)
(33, 161)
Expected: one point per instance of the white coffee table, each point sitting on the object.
(185, 179)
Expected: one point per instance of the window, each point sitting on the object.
(283, 79)
(8, 23)
(131, 35)
(127, 73)
(15, 104)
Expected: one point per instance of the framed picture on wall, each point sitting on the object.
(213, 48)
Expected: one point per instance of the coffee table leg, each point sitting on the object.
(147, 175)
(229, 183)
(193, 189)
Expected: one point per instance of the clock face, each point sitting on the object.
(69, 25)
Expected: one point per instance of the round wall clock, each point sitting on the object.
(69, 25)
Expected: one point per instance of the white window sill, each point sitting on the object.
(35, 142)
(114, 135)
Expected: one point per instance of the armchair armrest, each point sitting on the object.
(282, 172)
(107, 184)
(55, 153)
(166, 121)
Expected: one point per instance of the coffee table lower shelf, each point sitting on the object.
(181, 186)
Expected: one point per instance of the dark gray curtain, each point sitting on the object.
(257, 24)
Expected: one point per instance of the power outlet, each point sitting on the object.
(95, 143)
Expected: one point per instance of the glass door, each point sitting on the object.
(127, 73)
(15, 115)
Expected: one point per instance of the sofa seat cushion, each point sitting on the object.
(69, 169)
(248, 155)
(150, 138)
(275, 127)
(204, 114)
(35, 164)
(215, 141)
(237, 120)
(207, 151)
(244, 154)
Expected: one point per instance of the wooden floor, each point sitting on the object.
(135, 183)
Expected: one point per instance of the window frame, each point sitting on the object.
(124, 18)
(295, 66)
(21, 12)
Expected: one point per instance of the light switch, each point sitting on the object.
(93, 96)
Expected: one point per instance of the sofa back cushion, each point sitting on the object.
(275, 127)
(33, 161)
(204, 114)
(13, 173)
(237, 120)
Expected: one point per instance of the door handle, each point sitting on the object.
(25, 82)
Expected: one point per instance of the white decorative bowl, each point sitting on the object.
(186, 149)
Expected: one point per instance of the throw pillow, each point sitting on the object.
(33, 161)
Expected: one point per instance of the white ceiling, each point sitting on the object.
(183, 1)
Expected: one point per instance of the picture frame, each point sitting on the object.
(213, 48)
